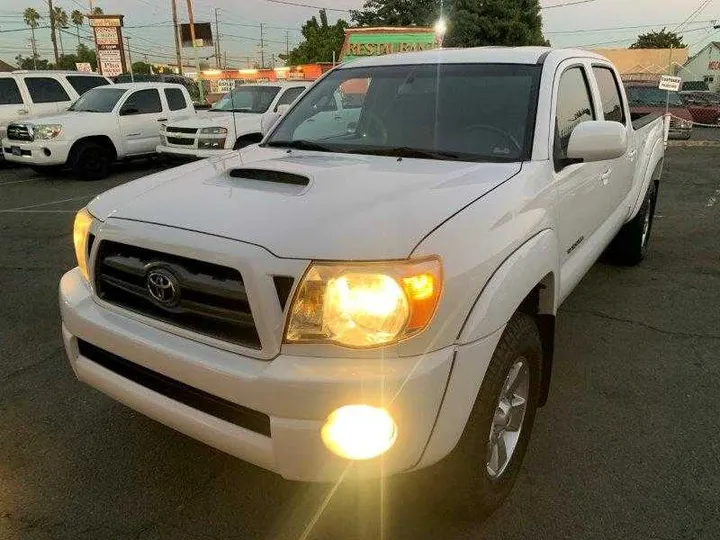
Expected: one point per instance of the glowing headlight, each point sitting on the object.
(46, 131)
(81, 229)
(359, 432)
(213, 131)
(364, 305)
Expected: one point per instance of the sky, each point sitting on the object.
(599, 23)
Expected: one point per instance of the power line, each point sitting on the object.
(617, 28)
(694, 14)
(297, 4)
(567, 4)
(630, 39)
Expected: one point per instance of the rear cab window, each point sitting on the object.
(289, 96)
(612, 104)
(46, 90)
(83, 83)
(176, 99)
(10, 92)
(574, 106)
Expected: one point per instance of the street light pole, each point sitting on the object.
(178, 56)
(217, 39)
(197, 54)
(132, 75)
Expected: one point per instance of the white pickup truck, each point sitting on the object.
(240, 118)
(105, 124)
(380, 298)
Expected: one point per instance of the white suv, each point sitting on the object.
(24, 94)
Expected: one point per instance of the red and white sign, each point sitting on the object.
(110, 62)
(83, 66)
(106, 35)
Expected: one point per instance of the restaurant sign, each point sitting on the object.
(363, 42)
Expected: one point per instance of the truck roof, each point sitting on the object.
(137, 85)
(475, 55)
(42, 72)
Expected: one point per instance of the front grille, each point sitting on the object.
(180, 141)
(178, 391)
(18, 132)
(209, 299)
(190, 131)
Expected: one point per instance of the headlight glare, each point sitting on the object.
(46, 131)
(81, 230)
(364, 305)
(359, 432)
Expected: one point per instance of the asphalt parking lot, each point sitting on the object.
(627, 447)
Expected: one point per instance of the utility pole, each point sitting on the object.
(53, 38)
(287, 43)
(91, 6)
(132, 75)
(217, 39)
(178, 57)
(225, 66)
(197, 54)
(262, 47)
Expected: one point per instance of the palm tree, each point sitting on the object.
(61, 22)
(97, 11)
(77, 19)
(32, 18)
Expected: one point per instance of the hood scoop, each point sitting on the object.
(275, 177)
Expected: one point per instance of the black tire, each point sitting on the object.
(633, 241)
(473, 490)
(91, 161)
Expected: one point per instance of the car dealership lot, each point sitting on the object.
(626, 448)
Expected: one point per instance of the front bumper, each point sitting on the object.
(190, 153)
(296, 393)
(36, 152)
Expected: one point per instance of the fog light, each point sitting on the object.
(359, 432)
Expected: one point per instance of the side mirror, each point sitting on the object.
(597, 141)
(282, 109)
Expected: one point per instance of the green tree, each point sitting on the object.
(86, 54)
(141, 68)
(659, 40)
(97, 11)
(30, 62)
(475, 23)
(321, 41)
(77, 19)
(397, 13)
(32, 19)
(60, 17)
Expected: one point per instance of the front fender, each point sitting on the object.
(536, 262)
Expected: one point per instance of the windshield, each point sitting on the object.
(247, 99)
(649, 96)
(468, 112)
(99, 100)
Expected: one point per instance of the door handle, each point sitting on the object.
(606, 177)
(22, 111)
(162, 119)
(632, 153)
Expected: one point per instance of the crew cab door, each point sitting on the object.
(613, 109)
(583, 196)
(140, 117)
(12, 104)
(178, 104)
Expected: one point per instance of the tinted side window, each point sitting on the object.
(9, 92)
(82, 84)
(290, 95)
(45, 90)
(574, 106)
(609, 95)
(175, 98)
(143, 102)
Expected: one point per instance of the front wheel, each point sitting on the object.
(91, 161)
(486, 462)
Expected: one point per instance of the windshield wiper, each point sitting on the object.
(302, 144)
(408, 152)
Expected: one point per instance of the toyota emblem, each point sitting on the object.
(163, 287)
